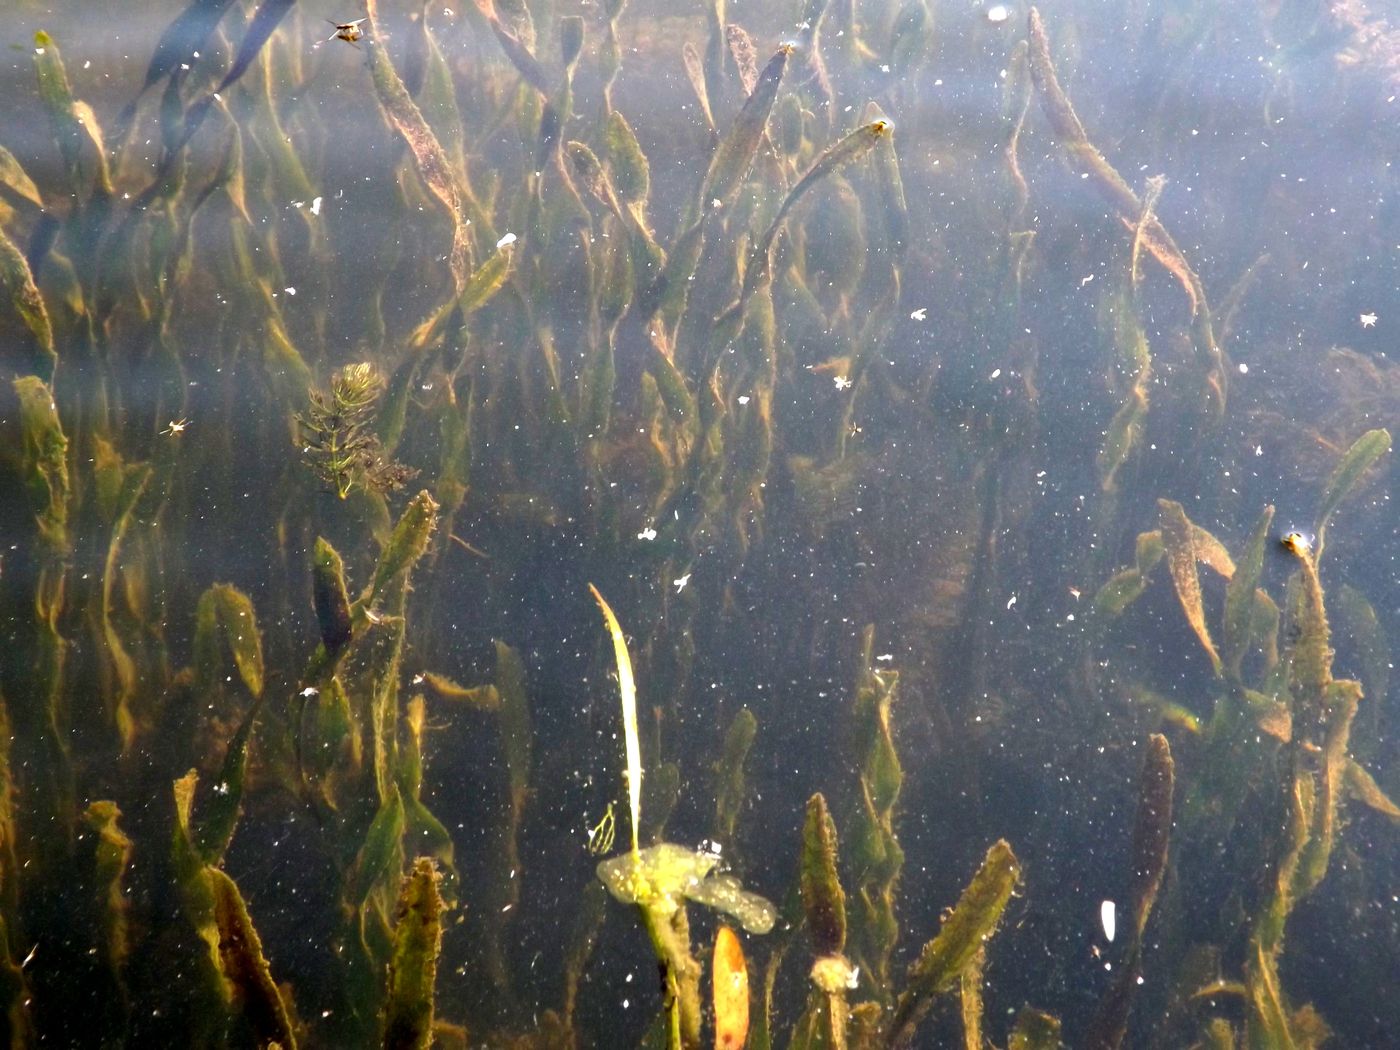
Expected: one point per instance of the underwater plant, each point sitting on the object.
(338, 439)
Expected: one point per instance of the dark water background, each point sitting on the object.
(954, 497)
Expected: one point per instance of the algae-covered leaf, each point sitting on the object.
(1211, 553)
(429, 158)
(406, 545)
(964, 933)
(729, 773)
(1035, 1030)
(847, 150)
(1239, 596)
(1363, 787)
(112, 858)
(44, 461)
(631, 173)
(730, 976)
(515, 721)
(220, 811)
(15, 183)
(483, 284)
(736, 152)
(74, 127)
(225, 613)
(408, 1023)
(1368, 448)
(245, 967)
(380, 851)
(332, 601)
(1126, 587)
(1179, 542)
(1360, 624)
(19, 293)
(823, 899)
(482, 697)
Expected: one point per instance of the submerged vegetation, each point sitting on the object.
(924, 415)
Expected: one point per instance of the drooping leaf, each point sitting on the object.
(1179, 543)
(18, 293)
(733, 158)
(1239, 596)
(1368, 448)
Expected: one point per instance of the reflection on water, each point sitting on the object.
(979, 417)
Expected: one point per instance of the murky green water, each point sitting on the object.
(979, 420)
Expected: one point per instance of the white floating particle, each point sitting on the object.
(1108, 916)
(920, 314)
(647, 534)
(509, 238)
(1244, 369)
(679, 584)
(290, 291)
(842, 383)
(1011, 601)
(316, 206)
(885, 657)
(1369, 320)
(743, 399)
(1086, 280)
(996, 373)
(998, 13)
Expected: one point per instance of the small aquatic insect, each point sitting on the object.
(347, 31)
(176, 426)
(1296, 542)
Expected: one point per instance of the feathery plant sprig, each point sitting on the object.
(337, 436)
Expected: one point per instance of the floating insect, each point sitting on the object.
(176, 426)
(347, 31)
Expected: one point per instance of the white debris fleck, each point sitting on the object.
(509, 238)
(1369, 320)
(920, 314)
(679, 584)
(316, 206)
(1108, 916)
(1011, 601)
(885, 657)
(647, 534)
(308, 692)
(1244, 369)
(743, 399)
(842, 383)
(996, 373)
(290, 290)
(998, 13)
(1086, 280)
